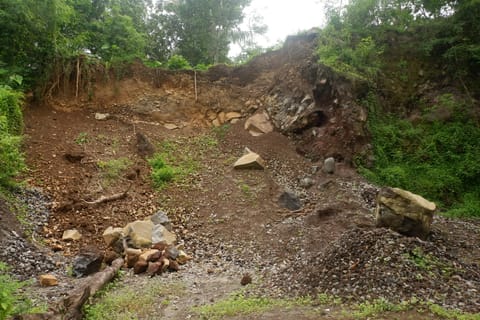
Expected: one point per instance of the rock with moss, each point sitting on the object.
(404, 212)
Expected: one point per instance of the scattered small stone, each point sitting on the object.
(246, 279)
(87, 262)
(101, 116)
(250, 161)
(170, 126)
(329, 165)
(48, 280)
(290, 201)
(73, 235)
(307, 183)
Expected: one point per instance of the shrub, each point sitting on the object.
(161, 172)
(11, 124)
(177, 62)
(11, 301)
(437, 159)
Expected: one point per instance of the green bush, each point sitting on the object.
(11, 124)
(437, 159)
(177, 62)
(161, 172)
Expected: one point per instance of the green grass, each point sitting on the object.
(177, 160)
(118, 302)
(111, 170)
(240, 304)
(12, 301)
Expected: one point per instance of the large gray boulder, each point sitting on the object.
(404, 212)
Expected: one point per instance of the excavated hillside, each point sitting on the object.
(230, 221)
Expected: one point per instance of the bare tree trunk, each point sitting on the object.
(78, 77)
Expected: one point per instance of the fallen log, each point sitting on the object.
(103, 199)
(71, 307)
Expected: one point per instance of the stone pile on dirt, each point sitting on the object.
(147, 245)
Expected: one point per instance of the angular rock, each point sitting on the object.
(149, 254)
(87, 262)
(144, 147)
(140, 233)
(216, 123)
(258, 124)
(110, 256)
(329, 165)
(140, 267)
(154, 268)
(131, 259)
(162, 218)
(111, 235)
(160, 234)
(250, 161)
(221, 117)
(170, 126)
(306, 183)
(232, 115)
(48, 280)
(404, 212)
(173, 266)
(172, 252)
(183, 258)
(101, 116)
(290, 201)
(73, 234)
(74, 156)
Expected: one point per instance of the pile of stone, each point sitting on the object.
(147, 245)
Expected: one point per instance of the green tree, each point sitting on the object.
(199, 30)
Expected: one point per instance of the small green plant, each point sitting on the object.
(378, 306)
(221, 131)
(162, 173)
(177, 62)
(81, 139)
(13, 302)
(112, 169)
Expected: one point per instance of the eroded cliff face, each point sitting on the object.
(315, 106)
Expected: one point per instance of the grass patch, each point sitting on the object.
(111, 170)
(12, 301)
(378, 306)
(240, 304)
(124, 303)
(179, 159)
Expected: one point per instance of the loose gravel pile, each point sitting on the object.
(365, 264)
(25, 259)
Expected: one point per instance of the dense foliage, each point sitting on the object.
(401, 47)
(11, 122)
